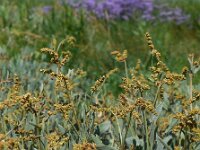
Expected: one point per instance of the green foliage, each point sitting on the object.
(24, 24)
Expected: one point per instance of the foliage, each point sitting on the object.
(49, 98)
(117, 9)
(30, 25)
(155, 110)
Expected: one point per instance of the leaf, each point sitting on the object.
(171, 125)
(41, 87)
(139, 142)
(105, 126)
(159, 145)
(97, 140)
(164, 143)
(81, 110)
(129, 141)
(100, 145)
(105, 147)
(61, 128)
(153, 130)
(166, 101)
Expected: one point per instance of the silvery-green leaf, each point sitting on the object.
(166, 139)
(41, 87)
(164, 143)
(159, 145)
(61, 128)
(129, 141)
(166, 101)
(171, 125)
(198, 146)
(153, 134)
(105, 126)
(97, 140)
(81, 109)
(105, 147)
(196, 70)
(139, 142)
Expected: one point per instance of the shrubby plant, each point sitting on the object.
(155, 110)
(131, 9)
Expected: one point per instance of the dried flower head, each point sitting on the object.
(84, 146)
(145, 105)
(56, 140)
(120, 57)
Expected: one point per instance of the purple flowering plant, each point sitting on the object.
(128, 9)
(46, 9)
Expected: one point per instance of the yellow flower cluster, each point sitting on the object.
(123, 111)
(196, 137)
(70, 40)
(154, 52)
(99, 83)
(84, 146)
(170, 78)
(121, 57)
(145, 105)
(186, 120)
(56, 140)
(135, 84)
(59, 60)
(8, 143)
(64, 109)
(80, 73)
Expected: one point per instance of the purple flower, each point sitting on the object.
(46, 9)
(126, 9)
(176, 15)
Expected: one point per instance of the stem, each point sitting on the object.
(165, 145)
(75, 130)
(156, 97)
(179, 137)
(119, 130)
(190, 76)
(59, 45)
(126, 69)
(146, 131)
(187, 143)
(37, 131)
(129, 121)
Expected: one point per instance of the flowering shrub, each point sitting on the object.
(155, 110)
(127, 9)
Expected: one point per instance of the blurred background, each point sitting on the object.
(100, 27)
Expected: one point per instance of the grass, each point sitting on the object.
(31, 28)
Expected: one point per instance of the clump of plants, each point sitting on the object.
(158, 109)
(131, 9)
